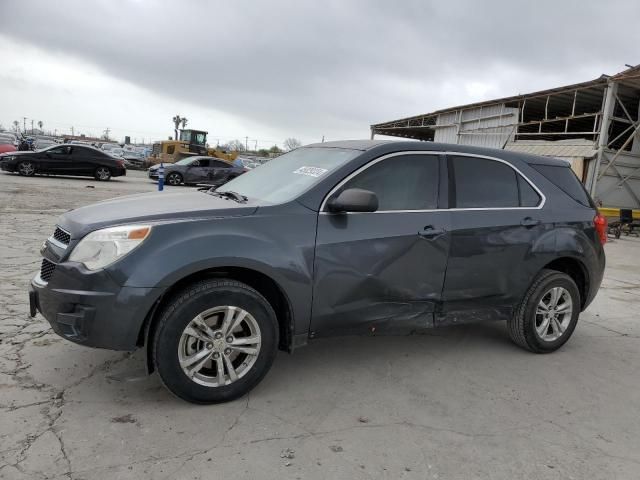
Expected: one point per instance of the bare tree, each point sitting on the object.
(236, 145)
(16, 126)
(40, 124)
(184, 122)
(292, 143)
(176, 122)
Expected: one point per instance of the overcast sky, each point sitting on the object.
(274, 69)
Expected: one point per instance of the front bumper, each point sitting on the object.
(93, 310)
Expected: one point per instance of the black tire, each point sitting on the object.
(26, 168)
(522, 325)
(102, 174)
(179, 312)
(173, 179)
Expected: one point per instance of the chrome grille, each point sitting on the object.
(46, 270)
(62, 236)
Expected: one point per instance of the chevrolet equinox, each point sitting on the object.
(352, 237)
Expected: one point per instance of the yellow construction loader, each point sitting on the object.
(191, 143)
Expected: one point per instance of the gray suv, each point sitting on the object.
(353, 237)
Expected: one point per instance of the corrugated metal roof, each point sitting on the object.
(562, 149)
(630, 74)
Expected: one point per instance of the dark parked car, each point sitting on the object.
(64, 159)
(334, 238)
(194, 170)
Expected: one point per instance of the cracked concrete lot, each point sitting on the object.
(458, 403)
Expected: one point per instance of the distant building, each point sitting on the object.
(595, 125)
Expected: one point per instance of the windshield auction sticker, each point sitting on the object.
(311, 171)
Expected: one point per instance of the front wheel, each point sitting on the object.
(102, 174)
(26, 168)
(215, 341)
(174, 179)
(548, 314)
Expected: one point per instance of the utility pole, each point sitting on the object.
(106, 133)
(322, 138)
(31, 126)
(24, 124)
(72, 133)
(246, 143)
(256, 146)
(55, 132)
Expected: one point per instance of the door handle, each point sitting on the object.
(429, 232)
(529, 222)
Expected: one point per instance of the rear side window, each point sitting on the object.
(565, 180)
(407, 182)
(483, 183)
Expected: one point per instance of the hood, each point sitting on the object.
(151, 207)
(17, 152)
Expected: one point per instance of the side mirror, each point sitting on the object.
(354, 200)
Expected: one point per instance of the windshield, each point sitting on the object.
(287, 176)
(42, 146)
(186, 161)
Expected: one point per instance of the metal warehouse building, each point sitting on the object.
(594, 125)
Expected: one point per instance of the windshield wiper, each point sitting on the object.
(228, 194)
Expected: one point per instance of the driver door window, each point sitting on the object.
(407, 182)
(64, 150)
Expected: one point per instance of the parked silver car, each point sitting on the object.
(194, 170)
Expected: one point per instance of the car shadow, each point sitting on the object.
(67, 177)
(327, 359)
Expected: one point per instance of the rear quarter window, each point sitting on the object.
(564, 178)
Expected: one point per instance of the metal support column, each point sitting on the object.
(603, 137)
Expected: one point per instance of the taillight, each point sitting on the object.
(600, 223)
(120, 162)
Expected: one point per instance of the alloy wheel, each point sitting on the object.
(103, 173)
(219, 346)
(174, 179)
(26, 168)
(553, 314)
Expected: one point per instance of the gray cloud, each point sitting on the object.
(309, 68)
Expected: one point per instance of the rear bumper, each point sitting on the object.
(107, 316)
(595, 280)
(119, 172)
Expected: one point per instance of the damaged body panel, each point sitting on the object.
(375, 272)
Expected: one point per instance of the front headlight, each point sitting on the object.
(103, 247)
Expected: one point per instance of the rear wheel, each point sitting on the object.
(548, 314)
(174, 178)
(102, 174)
(26, 168)
(215, 341)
